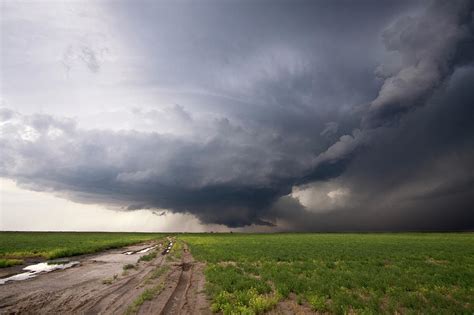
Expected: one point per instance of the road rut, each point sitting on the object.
(99, 285)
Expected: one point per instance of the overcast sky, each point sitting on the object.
(250, 115)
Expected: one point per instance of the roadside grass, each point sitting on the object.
(429, 273)
(176, 252)
(110, 280)
(10, 262)
(51, 245)
(150, 293)
(129, 266)
(148, 257)
(159, 271)
(155, 274)
(147, 295)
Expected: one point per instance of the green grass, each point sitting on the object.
(429, 273)
(110, 280)
(176, 252)
(158, 272)
(155, 274)
(50, 245)
(148, 257)
(10, 262)
(147, 295)
(129, 266)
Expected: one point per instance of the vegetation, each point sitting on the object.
(176, 252)
(159, 271)
(148, 257)
(339, 273)
(50, 245)
(10, 262)
(110, 280)
(147, 295)
(129, 266)
(155, 274)
(329, 273)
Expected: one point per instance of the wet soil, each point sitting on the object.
(99, 285)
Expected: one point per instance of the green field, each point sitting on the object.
(339, 273)
(429, 273)
(15, 246)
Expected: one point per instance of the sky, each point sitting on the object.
(237, 115)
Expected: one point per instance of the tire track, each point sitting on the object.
(177, 299)
(118, 297)
(81, 290)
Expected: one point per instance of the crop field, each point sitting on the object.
(339, 273)
(388, 273)
(15, 246)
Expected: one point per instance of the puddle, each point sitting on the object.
(146, 249)
(167, 248)
(142, 251)
(34, 270)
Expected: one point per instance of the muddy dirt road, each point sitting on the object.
(167, 284)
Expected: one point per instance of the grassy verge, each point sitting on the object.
(147, 295)
(129, 266)
(339, 273)
(110, 280)
(176, 252)
(10, 262)
(158, 272)
(148, 257)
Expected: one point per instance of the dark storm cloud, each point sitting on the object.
(295, 102)
(227, 179)
(415, 176)
(412, 172)
(430, 47)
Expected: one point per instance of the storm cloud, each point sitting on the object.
(296, 116)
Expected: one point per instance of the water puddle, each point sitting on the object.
(34, 270)
(146, 249)
(142, 251)
(167, 249)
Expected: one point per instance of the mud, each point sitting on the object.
(32, 271)
(99, 285)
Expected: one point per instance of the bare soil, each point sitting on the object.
(290, 307)
(99, 285)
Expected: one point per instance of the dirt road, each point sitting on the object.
(168, 284)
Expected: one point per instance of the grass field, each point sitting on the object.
(14, 246)
(339, 273)
(429, 273)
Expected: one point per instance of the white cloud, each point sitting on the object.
(323, 197)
